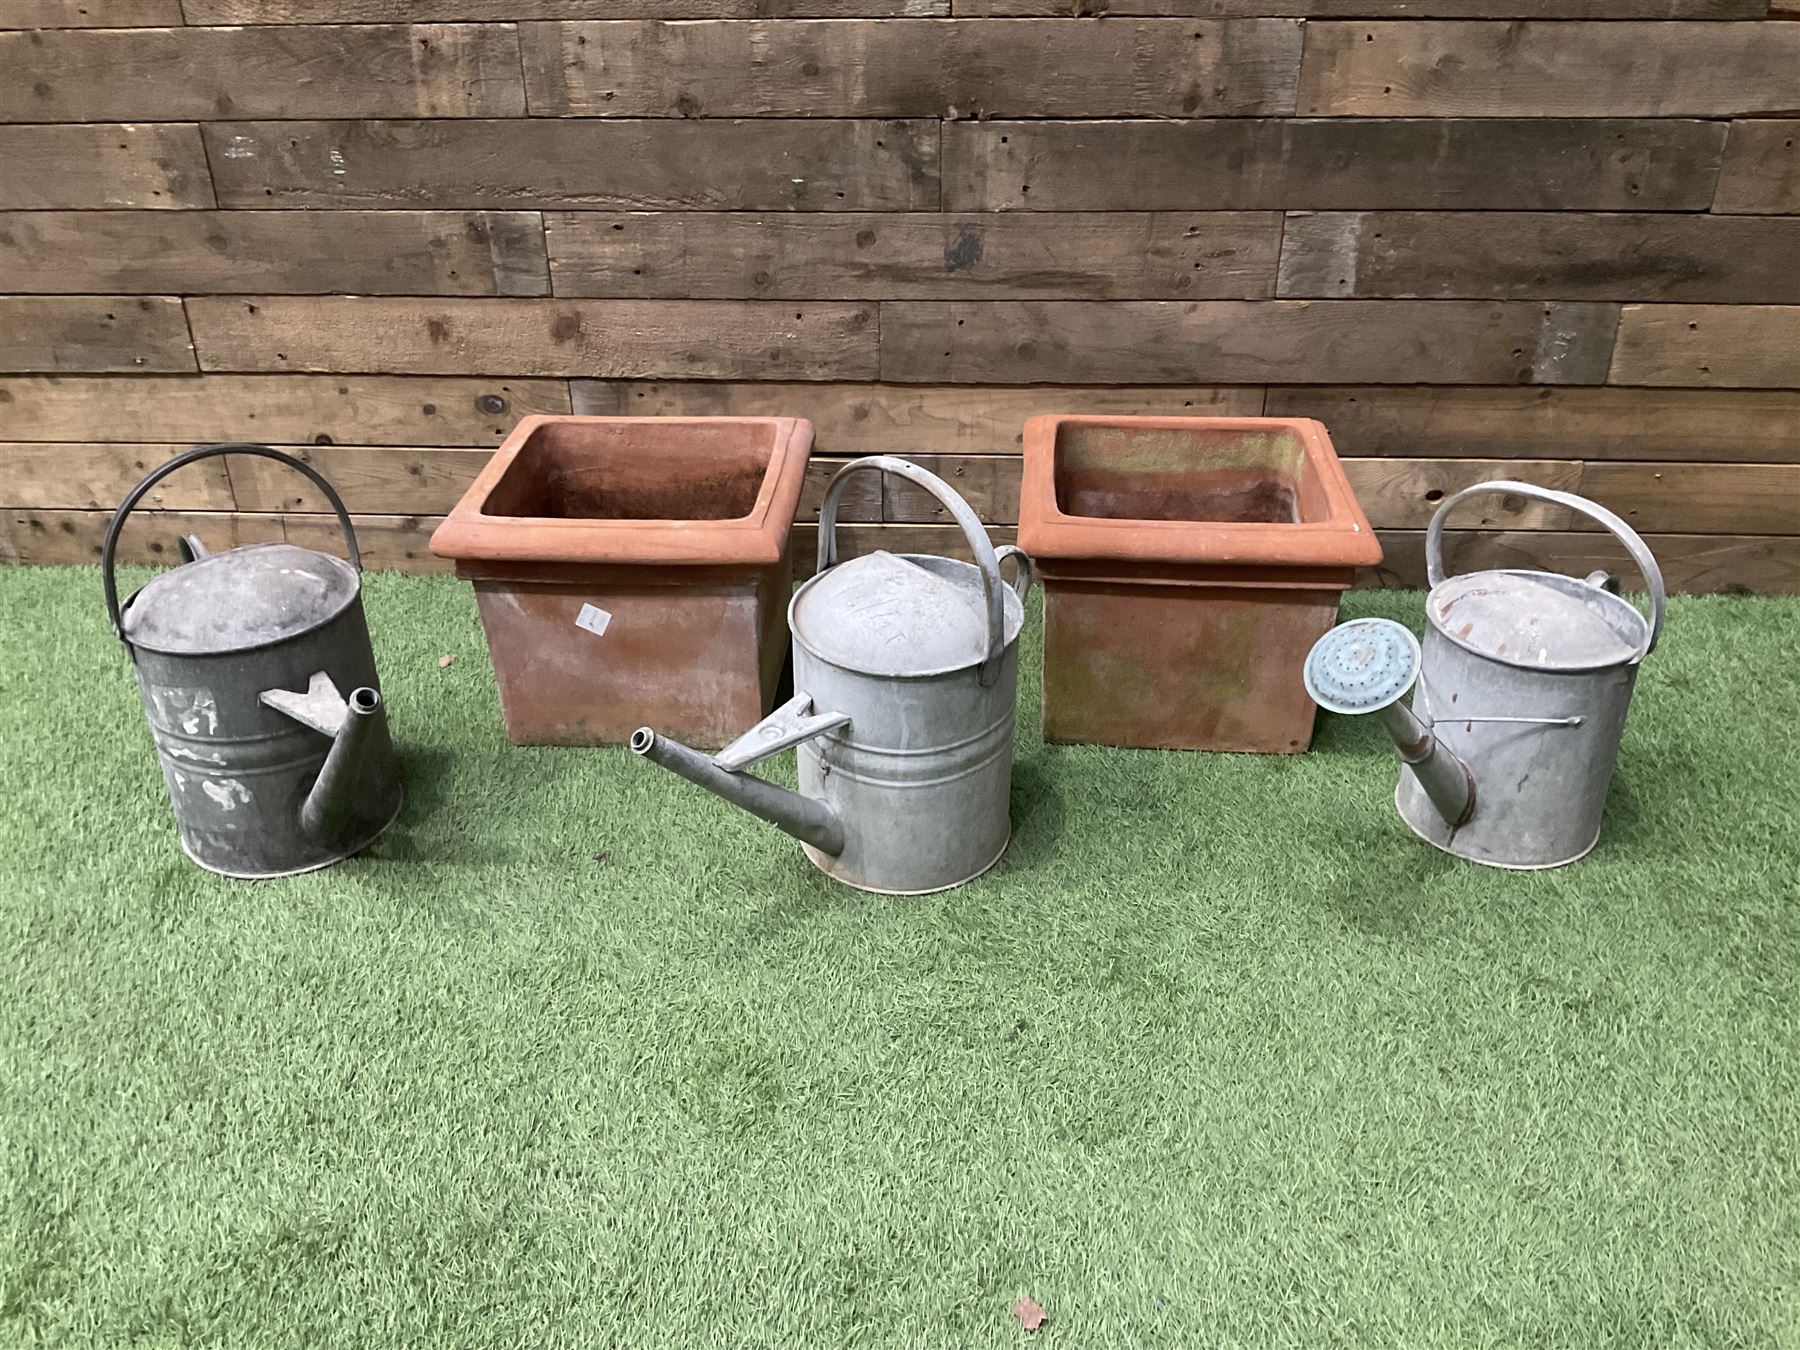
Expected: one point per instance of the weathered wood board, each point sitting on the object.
(1251, 164)
(370, 479)
(89, 13)
(1560, 423)
(1555, 255)
(913, 68)
(126, 333)
(278, 409)
(1700, 564)
(1762, 168)
(1737, 346)
(680, 339)
(875, 419)
(874, 256)
(1235, 342)
(1381, 9)
(444, 11)
(769, 164)
(53, 474)
(92, 167)
(1559, 69)
(176, 74)
(296, 253)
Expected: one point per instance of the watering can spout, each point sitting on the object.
(1367, 666)
(810, 821)
(1446, 779)
(358, 790)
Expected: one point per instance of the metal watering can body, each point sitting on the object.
(906, 679)
(240, 658)
(1519, 706)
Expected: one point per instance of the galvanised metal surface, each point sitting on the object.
(906, 678)
(239, 658)
(1525, 681)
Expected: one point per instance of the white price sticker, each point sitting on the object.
(594, 619)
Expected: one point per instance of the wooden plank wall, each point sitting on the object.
(1478, 238)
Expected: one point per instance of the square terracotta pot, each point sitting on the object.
(1188, 563)
(633, 571)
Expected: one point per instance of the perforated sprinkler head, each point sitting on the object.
(1362, 666)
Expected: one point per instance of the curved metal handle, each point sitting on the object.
(1021, 582)
(985, 558)
(181, 461)
(1633, 542)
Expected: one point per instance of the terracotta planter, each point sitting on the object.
(1189, 564)
(633, 570)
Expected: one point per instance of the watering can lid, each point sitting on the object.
(888, 614)
(1537, 620)
(238, 600)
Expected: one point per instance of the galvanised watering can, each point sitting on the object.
(905, 675)
(240, 657)
(1522, 690)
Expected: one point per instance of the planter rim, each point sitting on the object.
(1342, 539)
(759, 537)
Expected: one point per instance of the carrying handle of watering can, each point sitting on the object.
(1633, 542)
(986, 560)
(162, 471)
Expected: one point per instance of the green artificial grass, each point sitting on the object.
(578, 1055)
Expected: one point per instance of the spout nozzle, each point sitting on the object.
(811, 822)
(1367, 666)
(358, 789)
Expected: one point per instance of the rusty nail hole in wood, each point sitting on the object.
(1435, 495)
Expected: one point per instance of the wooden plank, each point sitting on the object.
(42, 536)
(1377, 9)
(699, 339)
(1737, 346)
(479, 11)
(752, 165)
(46, 536)
(89, 13)
(913, 68)
(1491, 164)
(168, 74)
(93, 332)
(873, 419)
(91, 167)
(1231, 342)
(51, 474)
(1699, 498)
(1406, 493)
(1543, 256)
(371, 479)
(739, 255)
(1762, 169)
(1566, 423)
(1394, 493)
(294, 252)
(279, 409)
(1559, 69)
(1693, 564)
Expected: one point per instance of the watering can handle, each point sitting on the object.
(1633, 542)
(162, 471)
(986, 559)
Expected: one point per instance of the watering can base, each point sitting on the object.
(1431, 828)
(316, 865)
(831, 867)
